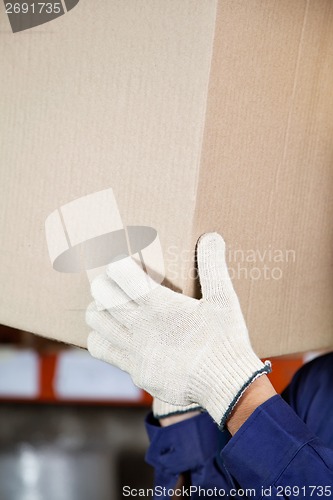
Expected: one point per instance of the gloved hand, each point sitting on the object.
(180, 350)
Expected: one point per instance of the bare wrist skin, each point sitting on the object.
(174, 419)
(255, 395)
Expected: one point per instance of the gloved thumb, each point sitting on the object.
(215, 281)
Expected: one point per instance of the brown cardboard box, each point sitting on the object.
(200, 115)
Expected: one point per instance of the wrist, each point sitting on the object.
(175, 419)
(255, 395)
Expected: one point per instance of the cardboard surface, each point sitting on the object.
(266, 173)
(200, 116)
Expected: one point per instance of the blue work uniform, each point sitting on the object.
(283, 450)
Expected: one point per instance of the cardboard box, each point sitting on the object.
(200, 115)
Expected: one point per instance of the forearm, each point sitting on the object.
(185, 453)
(275, 451)
(175, 419)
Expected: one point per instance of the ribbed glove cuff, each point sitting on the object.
(162, 409)
(221, 382)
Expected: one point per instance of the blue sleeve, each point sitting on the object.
(274, 454)
(310, 394)
(190, 447)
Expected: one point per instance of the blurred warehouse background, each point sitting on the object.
(72, 427)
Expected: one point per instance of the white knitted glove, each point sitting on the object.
(180, 350)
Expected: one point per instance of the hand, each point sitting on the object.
(179, 349)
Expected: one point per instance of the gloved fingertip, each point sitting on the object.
(126, 265)
(207, 238)
(90, 311)
(92, 342)
(100, 306)
(97, 283)
(212, 243)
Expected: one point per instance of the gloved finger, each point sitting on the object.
(132, 279)
(215, 281)
(109, 295)
(128, 317)
(108, 327)
(100, 348)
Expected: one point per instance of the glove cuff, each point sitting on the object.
(161, 409)
(264, 370)
(221, 382)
